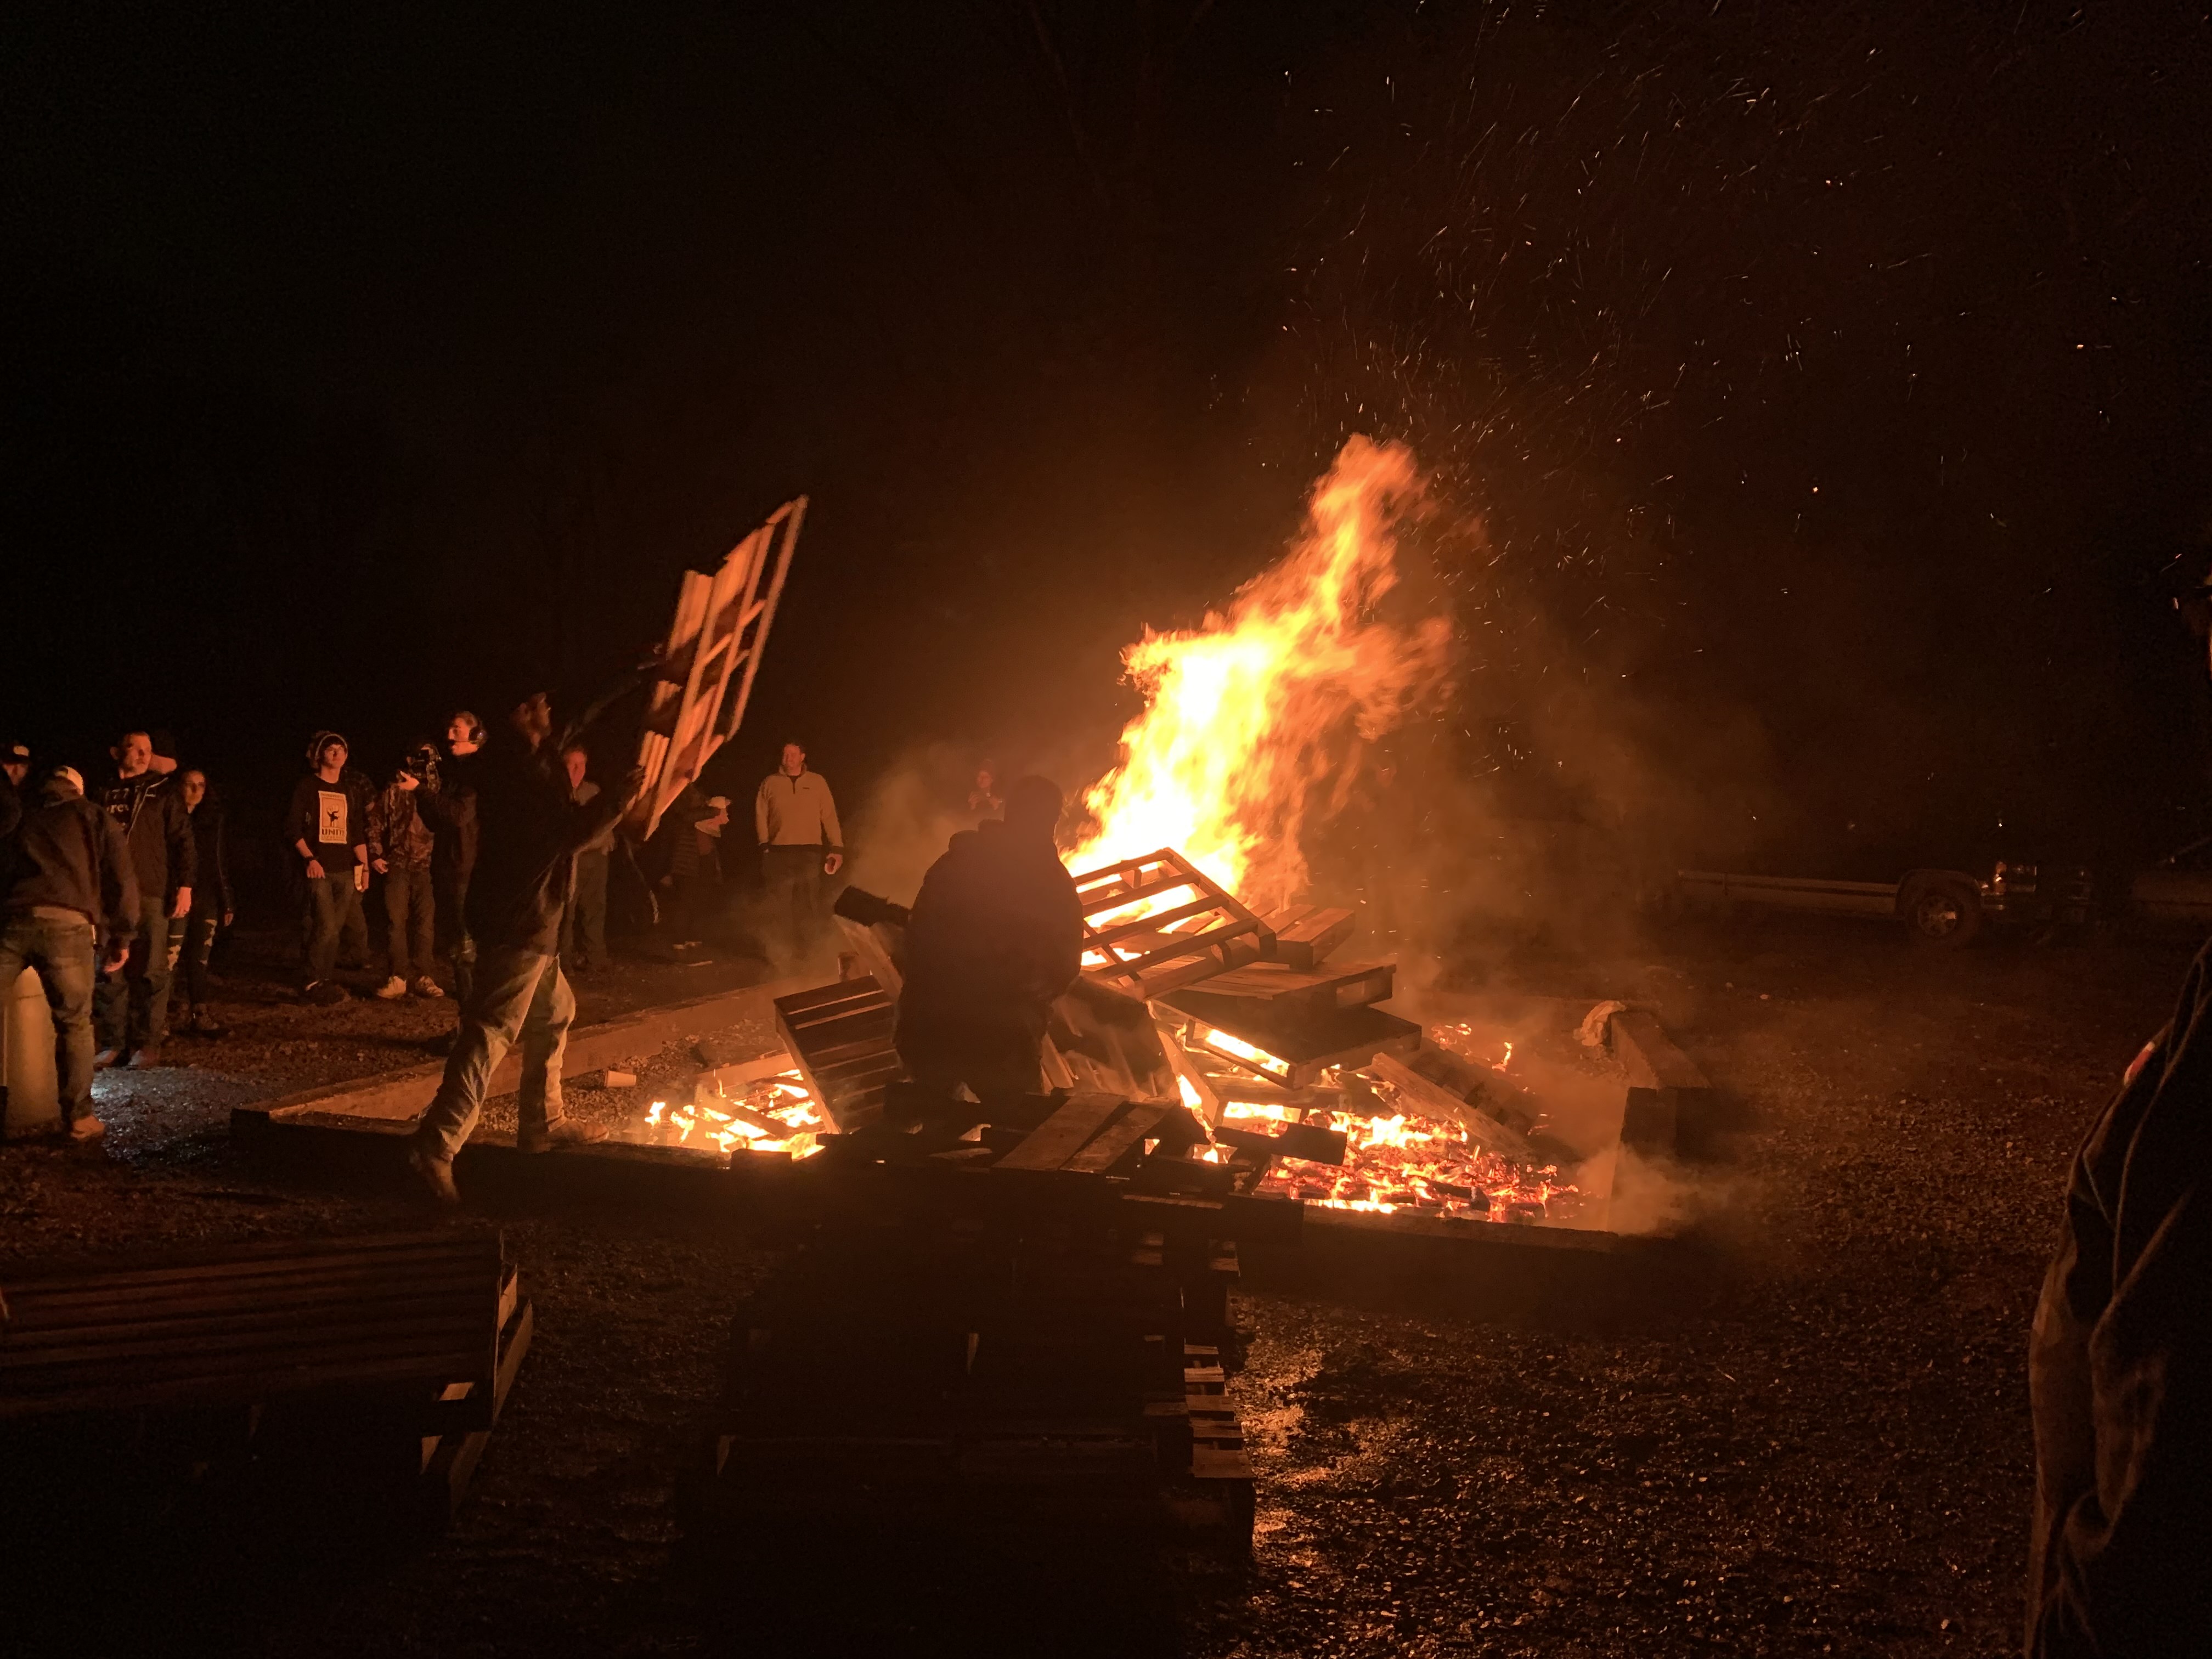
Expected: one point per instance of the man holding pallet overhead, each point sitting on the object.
(996, 938)
(529, 830)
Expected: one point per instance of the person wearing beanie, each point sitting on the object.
(327, 829)
(132, 1006)
(69, 909)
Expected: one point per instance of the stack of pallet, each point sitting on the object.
(402, 1347)
(986, 1373)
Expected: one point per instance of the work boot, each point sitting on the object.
(87, 1129)
(202, 1024)
(107, 1057)
(561, 1131)
(427, 987)
(326, 992)
(393, 989)
(147, 1057)
(436, 1170)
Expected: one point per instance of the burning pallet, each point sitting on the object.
(408, 1344)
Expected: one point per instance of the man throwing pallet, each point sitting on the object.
(529, 830)
(996, 938)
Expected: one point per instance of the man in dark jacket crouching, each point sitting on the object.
(528, 832)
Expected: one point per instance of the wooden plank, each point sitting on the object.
(1282, 996)
(1107, 1148)
(1297, 1057)
(1652, 1060)
(1303, 938)
(1063, 1134)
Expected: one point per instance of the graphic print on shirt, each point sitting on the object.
(332, 819)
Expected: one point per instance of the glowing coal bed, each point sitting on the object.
(1402, 1160)
(775, 1113)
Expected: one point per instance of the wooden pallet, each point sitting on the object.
(1273, 994)
(712, 655)
(981, 1380)
(1293, 1059)
(1191, 930)
(408, 1340)
(840, 1036)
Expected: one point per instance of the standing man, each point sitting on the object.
(328, 822)
(795, 821)
(996, 937)
(213, 906)
(529, 832)
(71, 901)
(133, 1006)
(584, 924)
(399, 849)
(452, 811)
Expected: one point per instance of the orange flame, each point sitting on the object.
(1240, 715)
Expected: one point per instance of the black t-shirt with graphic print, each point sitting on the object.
(333, 818)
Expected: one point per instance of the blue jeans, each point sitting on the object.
(132, 1003)
(517, 994)
(62, 951)
(333, 912)
(410, 913)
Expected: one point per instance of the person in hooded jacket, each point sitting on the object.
(213, 906)
(69, 910)
(996, 938)
(132, 1006)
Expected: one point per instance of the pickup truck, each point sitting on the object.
(1946, 907)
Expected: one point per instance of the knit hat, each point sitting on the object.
(315, 745)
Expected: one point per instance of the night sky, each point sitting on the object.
(1819, 397)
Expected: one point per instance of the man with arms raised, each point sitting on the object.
(529, 830)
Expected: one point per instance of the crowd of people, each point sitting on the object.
(115, 890)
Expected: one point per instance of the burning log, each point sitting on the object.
(1299, 1140)
(1292, 1059)
(1419, 1094)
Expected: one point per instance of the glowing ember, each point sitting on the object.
(1247, 715)
(1400, 1162)
(775, 1115)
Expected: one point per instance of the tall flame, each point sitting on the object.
(1241, 714)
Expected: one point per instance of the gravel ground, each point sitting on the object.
(1822, 1445)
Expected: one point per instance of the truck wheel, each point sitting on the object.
(1943, 913)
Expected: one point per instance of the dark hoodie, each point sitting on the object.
(528, 832)
(211, 890)
(996, 937)
(2120, 1367)
(67, 855)
(149, 809)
